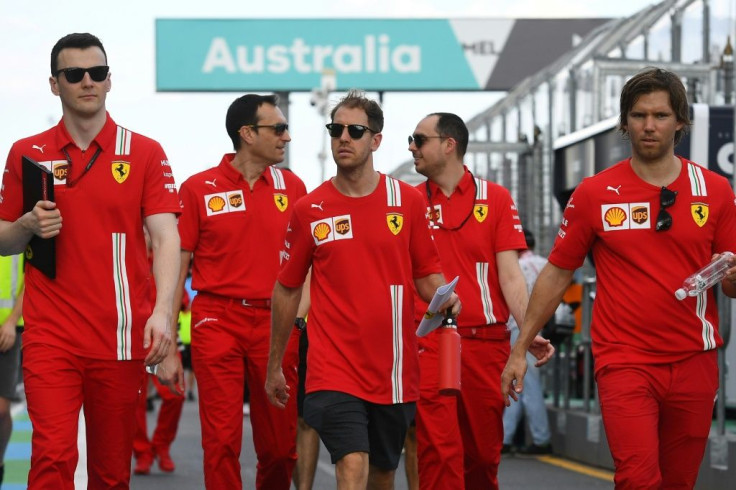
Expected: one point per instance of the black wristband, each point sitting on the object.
(300, 323)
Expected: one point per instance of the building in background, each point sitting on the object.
(513, 142)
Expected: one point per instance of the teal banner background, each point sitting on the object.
(271, 55)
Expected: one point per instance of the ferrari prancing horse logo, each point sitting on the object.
(480, 211)
(282, 201)
(395, 222)
(120, 171)
(699, 211)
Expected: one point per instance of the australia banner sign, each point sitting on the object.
(371, 54)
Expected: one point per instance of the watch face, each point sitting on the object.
(300, 323)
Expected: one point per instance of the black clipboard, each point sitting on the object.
(38, 185)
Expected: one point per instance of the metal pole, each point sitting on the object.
(706, 32)
(727, 62)
(284, 106)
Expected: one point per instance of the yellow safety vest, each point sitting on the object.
(185, 327)
(11, 282)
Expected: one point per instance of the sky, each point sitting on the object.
(190, 126)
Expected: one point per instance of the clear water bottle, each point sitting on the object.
(706, 277)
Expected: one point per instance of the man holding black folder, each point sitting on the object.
(90, 329)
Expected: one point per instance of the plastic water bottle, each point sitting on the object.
(706, 277)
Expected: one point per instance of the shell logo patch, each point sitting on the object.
(216, 204)
(699, 212)
(332, 229)
(395, 222)
(321, 231)
(626, 216)
(480, 211)
(282, 201)
(224, 202)
(120, 171)
(615, 217)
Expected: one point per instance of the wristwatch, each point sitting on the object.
(300, 323)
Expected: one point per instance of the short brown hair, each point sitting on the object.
(356, 99)
(652, 80)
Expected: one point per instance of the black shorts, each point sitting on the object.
(346, 424)
(301, 372)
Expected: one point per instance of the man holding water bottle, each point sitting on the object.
(650, 221)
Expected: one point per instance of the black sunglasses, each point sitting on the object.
(75, 75)
(420, 139)
(664, 218)
(356, 131)
(278, 128)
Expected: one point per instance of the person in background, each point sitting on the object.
(411, 463)
(185, 336)
(478, 234)
(363, 376)
(232, 227)
(89, 331)
(11, 325)
(307, 439)
(650, 221)
(531, 401)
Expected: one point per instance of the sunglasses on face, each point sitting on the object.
(664, 218)
(356, 131)
(278, 128)
(75, 75)
(420, 139)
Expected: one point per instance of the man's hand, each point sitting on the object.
(542, 349)
(43, 220)
(276, 388)
(171, 373)
(512, 378)
(157, 336)
(453, 304)
(7, 336)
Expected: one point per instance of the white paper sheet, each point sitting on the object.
(432, 318)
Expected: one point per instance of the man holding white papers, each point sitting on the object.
(478, 234)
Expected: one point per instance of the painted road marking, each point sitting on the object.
(578, 468)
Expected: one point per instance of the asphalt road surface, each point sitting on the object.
(515, 472)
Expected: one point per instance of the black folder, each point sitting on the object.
(38, 185)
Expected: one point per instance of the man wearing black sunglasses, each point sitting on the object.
(90, 330)
(232, 227)
(650, 221)
(366, 238)
(479, 235)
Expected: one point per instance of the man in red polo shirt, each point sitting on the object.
(650, 221)
(365, 236)
(478, 233)
(88, 330)
(233, 221)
